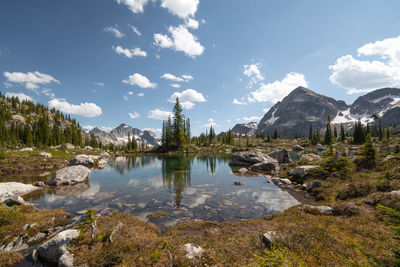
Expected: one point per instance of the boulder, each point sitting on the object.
(320, 148)
(298, 148)
(55, 250)
(314, 184)
(70, 175)
(85, 160)
(88, 148)
(16, 201)
(40, 184)
(69, 146)
(389, 157)
(319, 209)
(26, 149)
(193, 251)
(311, 158)
(238, 183)
(45, 154)
(281, 155)
(247, 158)
(269, 238)
(395, 193)
(102, 163)
(269, 165)
(104, 155)
(301, 171)
(9, 189)
(242, 170)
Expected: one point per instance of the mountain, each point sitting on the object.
(120, 134)
(245, 128)
(297, 111)
(302, 107)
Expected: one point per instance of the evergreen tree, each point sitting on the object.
(328, 132)
(178, 128)
(368, 154)
(342, 133)
(276, 136)
(310, 133)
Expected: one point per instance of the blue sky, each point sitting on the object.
(113, 61)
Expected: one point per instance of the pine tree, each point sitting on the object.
(276, 136)
(380, 130)
(328, 133)
(368, 153)
(342, 133)
(178, 131)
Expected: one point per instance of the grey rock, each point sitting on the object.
(15, 201)
(54, 249)
(281, 155)
(19, 247)
(271, 165)
(88, 148)
(45, 154)
(102, 163)
(269, 238)
(322, 209)
(10, 189)
(314, 184)
(285, 181)
(115, 230)
(193, 251)
(301, 171)
(242, 170)
(36, 238)
(70, 176)
(389, 157)
(85, 160)
(395, 193)
(311, 158)
(40, 184)
(298, 148)
(26, 149)
(320, 148)
(247, 158)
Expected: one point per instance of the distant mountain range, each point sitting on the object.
(120, 134)
(303, 107)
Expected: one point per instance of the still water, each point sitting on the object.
(186, 187)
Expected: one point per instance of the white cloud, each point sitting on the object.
(254, 73)
(175, 85)
(192, 23)
(32, 80)
(252, 118)
(274, 92)
(238, 102)
(134, 115)
(88, 128)
(139, 80)
(48, 92)
(187, 77)
(130, 93)
(136, 6)
(181, 8)
(171, 77)
(159, 114)
(129, 53)
(265, 110)
(99, 83)
(211, 122)
(21, 96)
(140, 94)
(125, 97)
(135, 30)
(187, 98)
(154, 130)
(83, 109)
(181, 40)
(362, 75)
(114, 31)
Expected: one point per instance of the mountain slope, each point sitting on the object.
(245, 128)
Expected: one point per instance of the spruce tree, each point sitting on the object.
(310, 133)
(178, 131)
(328, 132)
(342, 133)
(368, 153)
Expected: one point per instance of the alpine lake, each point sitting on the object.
(180, 187)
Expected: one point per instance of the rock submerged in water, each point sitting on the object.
(70, 176)
(10, 189)
(281, 155)
(247, 158)
(270, 165)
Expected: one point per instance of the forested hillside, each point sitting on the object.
(24, 123)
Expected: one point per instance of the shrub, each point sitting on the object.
(354, 190)
(346, 209)
(339, 166)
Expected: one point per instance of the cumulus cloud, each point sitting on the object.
(125, 97)
(187, 98)
(181, 8)
(136, 6)
(252, 118)
(140, 94)
(114, 31)
(181, 40)
(154, 130)
(31, 80)
(21, 96)
(136, 30)
(134, 115)
(139, 80)
(275, 91)
(210, 122)
(254, 73)
(238, 102)
(175, 85)
(130, 53)
(159, 114)
(99, 83)
(48, 92)
(362, 75)
(171, 77)
(83, 109)
(88, 128)
(192, 23)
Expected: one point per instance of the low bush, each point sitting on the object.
(354, 190)
(346, 209)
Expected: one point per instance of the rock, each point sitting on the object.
(53, 250)
(10, 189)
(311, 158)
(16, 201)
(34, 254)
(314, 184)
(193, 251)
(285, 181)
(66, 260)
(104, 155)
(70, 176)
(102, 163)
(88, 148)
(36, 238)
(320, 148)
(270, 165)
(395, 193)
(281, 155)
(319, 209)
(85, 160)
(247, 158)
(389, 157)
(19, 247)
(69, 146)
(45, 154)
(269, 238)
(114, 231)
(228, 151)
(242, 170)
(298, 148)
(238, 183)
(301, 171)
(301, 187)
(26, 149)
(40, 184)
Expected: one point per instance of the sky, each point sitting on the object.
(108, 62)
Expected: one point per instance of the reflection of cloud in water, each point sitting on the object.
(155, 182)
(275, 200)
(242, 191)
(190, 191)
(134, 182)
(93, 190)
(52, 198)
(193, 201)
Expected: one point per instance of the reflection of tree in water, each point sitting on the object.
(211, 160)
(125, 164)
(176, 171)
